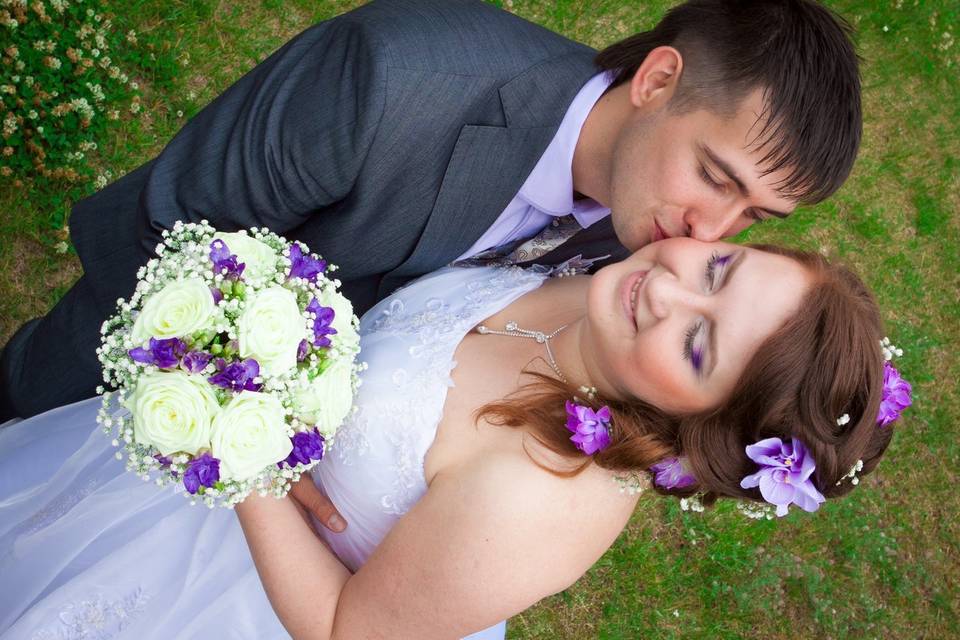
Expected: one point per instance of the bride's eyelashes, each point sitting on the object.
(715, 264)
(716, 269)
(691, 350)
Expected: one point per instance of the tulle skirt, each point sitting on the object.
(90, 551)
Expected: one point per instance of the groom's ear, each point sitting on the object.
(656, 78)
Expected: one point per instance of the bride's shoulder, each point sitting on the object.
(589, 506)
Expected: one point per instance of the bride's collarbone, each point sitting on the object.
(461, 436)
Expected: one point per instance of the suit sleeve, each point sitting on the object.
(281, 144)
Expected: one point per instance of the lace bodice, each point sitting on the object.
(374, 472)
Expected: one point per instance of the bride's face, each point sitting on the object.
(676, 323)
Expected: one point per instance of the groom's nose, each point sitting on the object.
(711, 224)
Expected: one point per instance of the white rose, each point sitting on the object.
(179, 309)
(260, 259)
(270, 329)
(248, 435)
(172, 411)
(327, 399)
(342, 318)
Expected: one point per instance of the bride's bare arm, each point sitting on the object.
(479, 547)
(301, 576)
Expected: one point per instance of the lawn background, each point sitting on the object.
(881, 563)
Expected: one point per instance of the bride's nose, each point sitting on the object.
(667, 294)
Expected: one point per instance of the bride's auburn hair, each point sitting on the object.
(824, 362)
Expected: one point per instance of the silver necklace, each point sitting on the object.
(513, 330)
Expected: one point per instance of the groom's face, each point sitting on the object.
(696, 174)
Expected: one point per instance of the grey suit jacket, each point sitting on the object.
(388, 139)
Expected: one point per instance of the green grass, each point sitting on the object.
(881, 563)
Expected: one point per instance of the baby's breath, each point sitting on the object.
(183, 254)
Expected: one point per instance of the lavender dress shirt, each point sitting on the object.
(548, 190)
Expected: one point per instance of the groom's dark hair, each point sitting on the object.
(796, 51)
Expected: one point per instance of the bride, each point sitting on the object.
(468, 495)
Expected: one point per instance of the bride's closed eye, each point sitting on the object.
(693, 344)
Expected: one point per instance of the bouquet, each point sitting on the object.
(231, 366)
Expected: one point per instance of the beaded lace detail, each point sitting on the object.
(57, 507)
(408, 418)
(97, 617)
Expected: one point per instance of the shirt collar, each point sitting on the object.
(549, 187)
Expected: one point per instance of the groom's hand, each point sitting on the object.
(306, 494)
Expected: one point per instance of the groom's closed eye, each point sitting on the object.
(719, 171)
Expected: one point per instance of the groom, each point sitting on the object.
(407, 134)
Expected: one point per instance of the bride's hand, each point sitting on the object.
(307, 497)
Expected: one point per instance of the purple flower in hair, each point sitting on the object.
(195, 361)
(237, 376)
(321, 323)
(589, 427)
(304, 266)
(784, 476)
(896, 395)
(203, 471)
(224, 262)
(164, 353)
(307, 446)
(673, 473)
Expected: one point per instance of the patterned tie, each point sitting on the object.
(524, 249)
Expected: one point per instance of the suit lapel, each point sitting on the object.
(489, 163)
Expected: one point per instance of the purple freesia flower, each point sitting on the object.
(163, 460)
(304, 266)
(673, 473)
(163, 353)
(302, 350)
(195, 361)
(217, 295)
(896, 395)
(224, 262)
(236, 376)
(321, 323)
(307, 446)
(203, 471)
(784, 476)
(589, 427)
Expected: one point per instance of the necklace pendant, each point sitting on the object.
(539, 337)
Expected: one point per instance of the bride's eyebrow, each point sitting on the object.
(738, 258)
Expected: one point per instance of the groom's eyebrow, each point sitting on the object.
(724, 166)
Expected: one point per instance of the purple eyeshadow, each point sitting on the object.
(696, 357)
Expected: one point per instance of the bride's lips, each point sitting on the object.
(634, 280)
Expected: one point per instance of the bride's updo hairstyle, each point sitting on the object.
(823, 363)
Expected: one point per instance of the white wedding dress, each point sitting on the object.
(89, 550)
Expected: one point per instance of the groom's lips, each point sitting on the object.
(659, 233)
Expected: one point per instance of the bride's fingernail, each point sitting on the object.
(336, 523)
